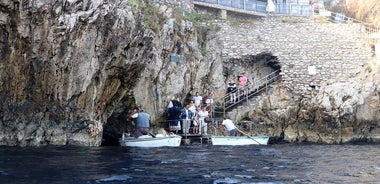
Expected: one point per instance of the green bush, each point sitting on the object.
(152, 18)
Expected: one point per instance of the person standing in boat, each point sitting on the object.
(142, 122)
(230, 126)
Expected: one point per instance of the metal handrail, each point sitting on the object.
(260, 6)
(291, 9)
(343, 19)
(253, 89)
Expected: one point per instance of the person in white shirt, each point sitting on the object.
(194, 119)
(192, 107)
(230, 126)
(197, 100)
(202, 114)
(209, 101)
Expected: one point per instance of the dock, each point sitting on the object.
(190, 138)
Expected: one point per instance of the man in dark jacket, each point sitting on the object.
(174, 117)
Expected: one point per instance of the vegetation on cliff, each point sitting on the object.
(364, 10)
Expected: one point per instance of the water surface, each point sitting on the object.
(195, 164)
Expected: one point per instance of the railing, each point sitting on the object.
(304, 9)
(253, 89)
(260, 6)
(294, 9)
(340, 18)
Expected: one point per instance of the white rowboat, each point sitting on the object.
(239, 140)
(148, 141)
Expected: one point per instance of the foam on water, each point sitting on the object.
(245, 176)
(226, 181)
(119, 178)
(2, 173)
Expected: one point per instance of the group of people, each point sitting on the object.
(193, 114)
(208, 101)
(233, 89)
(196, 114)
(186, 115)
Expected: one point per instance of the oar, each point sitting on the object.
(150, 133)
(247, 135)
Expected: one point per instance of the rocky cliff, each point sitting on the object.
(341, 112)
(71, 71)
(68, 68)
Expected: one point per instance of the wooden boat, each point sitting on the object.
(239, 140)
(158, 140)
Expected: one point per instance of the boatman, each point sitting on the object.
(230, 126)
(141, 122)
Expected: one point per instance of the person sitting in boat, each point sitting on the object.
(141, 122)
(230, 126)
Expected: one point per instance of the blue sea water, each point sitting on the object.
(193, 164)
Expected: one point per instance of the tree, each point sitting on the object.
(363, 10)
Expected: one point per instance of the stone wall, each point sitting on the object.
(310, 52)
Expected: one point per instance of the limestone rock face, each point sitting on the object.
(338, 113)
(69, 67)
(352, 107)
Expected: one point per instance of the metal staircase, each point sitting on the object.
(223, 104)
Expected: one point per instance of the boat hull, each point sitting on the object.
(239, 140)
(148, 141)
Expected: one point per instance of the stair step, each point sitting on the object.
(264, 83)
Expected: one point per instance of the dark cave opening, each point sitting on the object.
(257, 66)
(115, 126)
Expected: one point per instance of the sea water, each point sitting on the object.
(193, 164)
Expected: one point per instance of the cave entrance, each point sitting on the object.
(261, 70)
(255, 67)
(115, 126)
